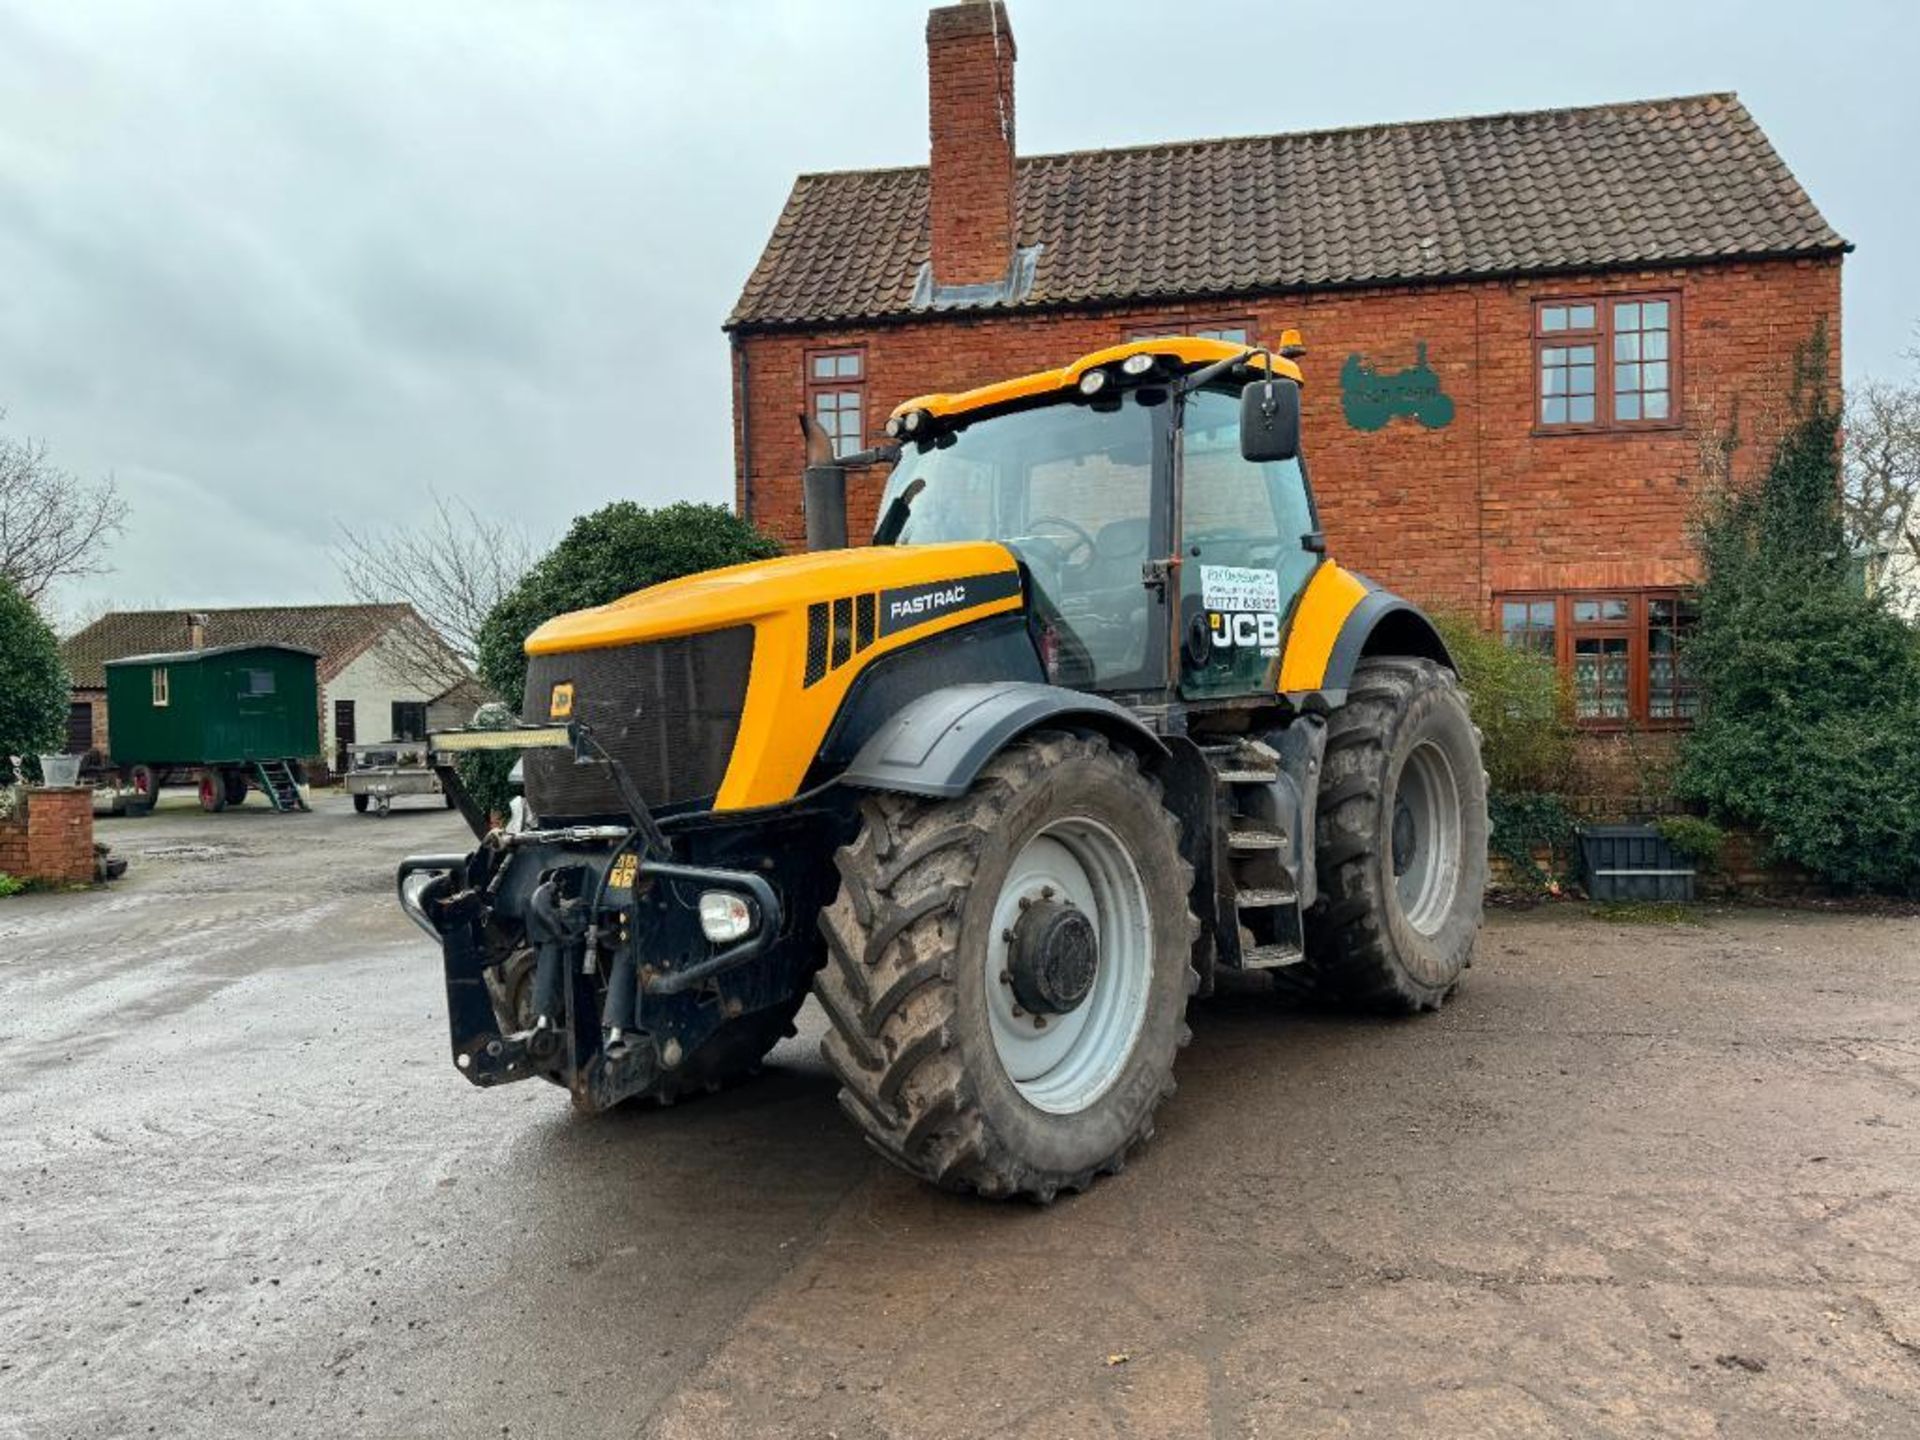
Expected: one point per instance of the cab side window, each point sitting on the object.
(1237, 513)
(1243, 556)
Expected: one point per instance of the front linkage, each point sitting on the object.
(589, 955)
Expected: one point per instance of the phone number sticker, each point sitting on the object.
(1236, 587)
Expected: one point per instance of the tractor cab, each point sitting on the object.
(1158, 553)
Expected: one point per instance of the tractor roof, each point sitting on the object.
(1189, 350)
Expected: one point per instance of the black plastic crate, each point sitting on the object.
(1633, 862)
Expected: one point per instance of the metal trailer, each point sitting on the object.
(230, 718)
(378, 774)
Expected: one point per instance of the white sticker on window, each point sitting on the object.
(1236, 587)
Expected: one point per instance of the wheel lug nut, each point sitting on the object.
(1026, 902)
(1006, 977)
(1018, 1012)
(1007, 935)
(1039, 1022)
(1046, 892)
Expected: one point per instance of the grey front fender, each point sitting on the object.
(937, 744)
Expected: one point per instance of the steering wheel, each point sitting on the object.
(1084, 540)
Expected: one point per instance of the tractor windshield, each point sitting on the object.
(1070, 489)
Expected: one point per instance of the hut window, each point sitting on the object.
(159, 685)
(259, 682)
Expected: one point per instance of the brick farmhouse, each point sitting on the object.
(1521, 327)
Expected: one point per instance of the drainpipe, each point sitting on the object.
(743, 468)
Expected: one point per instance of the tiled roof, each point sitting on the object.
(1647, 182)
(337, 633)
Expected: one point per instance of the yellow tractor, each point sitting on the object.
(1092, 721)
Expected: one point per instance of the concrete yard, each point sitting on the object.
(1637, 1180)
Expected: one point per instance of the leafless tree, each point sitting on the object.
(53, 525)
(1882, 491)
(453, 569)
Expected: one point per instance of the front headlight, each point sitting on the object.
(725, 916)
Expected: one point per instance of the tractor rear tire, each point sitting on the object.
(213, 791)
(360, 803)
(941, 1067)
(236, 783)
(1401, 841)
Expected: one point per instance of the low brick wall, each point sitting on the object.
(1743, 872)
(50, 838)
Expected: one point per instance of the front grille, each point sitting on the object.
(668, 710)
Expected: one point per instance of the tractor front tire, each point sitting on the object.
(360, 803)
(236, 783)
(1057, 874)
(1401, 841)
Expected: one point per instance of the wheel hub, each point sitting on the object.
(1406, 838)
(1075, 872)
(1052, 957)
(1426, 839)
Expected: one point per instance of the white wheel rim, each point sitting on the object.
(1065, 1065)
(1425, 852)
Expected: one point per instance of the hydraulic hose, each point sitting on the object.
(547, 930)
(623, 992)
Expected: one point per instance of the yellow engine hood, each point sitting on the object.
(818, 621)
(762, 589)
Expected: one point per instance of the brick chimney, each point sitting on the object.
(196, 631)
(970, 89)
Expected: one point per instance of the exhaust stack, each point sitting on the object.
(825, 490)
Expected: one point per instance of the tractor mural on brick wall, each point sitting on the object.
(1371, 398)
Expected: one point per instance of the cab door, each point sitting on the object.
(1249, 543)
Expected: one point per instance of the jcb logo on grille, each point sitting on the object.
(560, 706)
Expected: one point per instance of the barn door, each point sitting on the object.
(79, 727)
(342, 734)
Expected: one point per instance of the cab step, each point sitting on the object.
(1252, 841)
(1271, 957)
(1245, 762)
(1264, 899)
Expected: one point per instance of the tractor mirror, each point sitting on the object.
(1270, 420)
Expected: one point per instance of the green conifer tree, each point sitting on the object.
(1810, 720)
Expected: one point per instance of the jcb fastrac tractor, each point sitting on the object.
(1091, 721)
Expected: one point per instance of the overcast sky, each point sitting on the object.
(279, 266)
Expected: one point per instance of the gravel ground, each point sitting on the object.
(1638, 1180)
